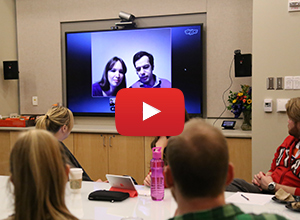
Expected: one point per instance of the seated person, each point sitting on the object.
(144, 65)
(284, 171)
(198, 172)
(161, 141)
(39, 173)
(59, 121)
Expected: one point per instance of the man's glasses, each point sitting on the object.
(145, 67)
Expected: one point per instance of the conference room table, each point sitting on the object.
(141, 206)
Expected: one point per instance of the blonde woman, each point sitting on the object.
(39, 175)
(59, 121)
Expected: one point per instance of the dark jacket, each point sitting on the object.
(71, 160)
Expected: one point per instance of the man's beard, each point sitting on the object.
(295, 132)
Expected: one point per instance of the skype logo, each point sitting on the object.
(191, 31)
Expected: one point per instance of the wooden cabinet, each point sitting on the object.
(92, 153)
(7, 140)
(126, 156)
(100, 154)
(14, 136)
(240, 154)
(4, 152)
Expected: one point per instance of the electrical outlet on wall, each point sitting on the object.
(34, 100)
(279, 84)
(270, 83)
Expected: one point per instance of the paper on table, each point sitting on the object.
(254, 198)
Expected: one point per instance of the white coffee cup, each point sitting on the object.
(75, 179)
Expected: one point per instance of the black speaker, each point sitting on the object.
(243, 65)
(10, 70)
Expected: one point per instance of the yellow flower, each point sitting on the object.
(249, 101)
(234, 101)
(240, 94)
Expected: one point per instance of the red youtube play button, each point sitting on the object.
(149, 112)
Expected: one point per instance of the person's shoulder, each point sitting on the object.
(135, 85)
(262, 216)
(95, 85)
(288, 140)
(229, 212)
(96, 89)
(65, 147)
(181, 218)
(237, 214)
(165, 83)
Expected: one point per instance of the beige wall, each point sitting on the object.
(39, 39)
(275, 53)
(273, 42)
(9, 101)
(229, 27)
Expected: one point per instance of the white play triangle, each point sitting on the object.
(149, 111)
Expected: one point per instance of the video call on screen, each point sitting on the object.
(177, 53)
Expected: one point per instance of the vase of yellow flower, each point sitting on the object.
(246, 125)
(241, 102)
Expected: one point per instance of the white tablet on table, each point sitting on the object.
(118, 181)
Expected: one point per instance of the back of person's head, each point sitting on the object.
(140, 54)
(39, 174)
(293, 109)
(55, 118)
(198, 159)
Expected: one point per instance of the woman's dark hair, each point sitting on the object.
(186, 118)
(104, 83)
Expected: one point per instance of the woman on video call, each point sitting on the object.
(113, 78)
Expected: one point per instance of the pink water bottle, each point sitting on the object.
(157, 176)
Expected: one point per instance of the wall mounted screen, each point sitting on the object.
(178, 58)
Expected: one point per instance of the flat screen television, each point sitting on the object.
(177, 52)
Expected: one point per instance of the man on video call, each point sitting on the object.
(144, 65)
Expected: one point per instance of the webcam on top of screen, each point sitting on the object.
(126, 16)
(126, 20)
(125, 23)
